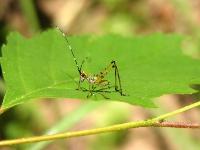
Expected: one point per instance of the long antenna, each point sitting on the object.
(69, 46)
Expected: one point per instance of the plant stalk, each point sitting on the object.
(155, 122)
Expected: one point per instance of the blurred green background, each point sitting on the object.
(125, 17)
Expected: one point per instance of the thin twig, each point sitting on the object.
(155, 122)
(177, 125)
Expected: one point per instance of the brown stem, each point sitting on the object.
(177, 125)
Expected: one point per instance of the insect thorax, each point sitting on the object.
(91, 79)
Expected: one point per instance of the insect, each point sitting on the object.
(96, 82)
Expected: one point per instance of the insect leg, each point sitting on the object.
(104, 90)
(80, 78)
(117, 79)
(103, 95)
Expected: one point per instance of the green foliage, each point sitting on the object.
(43, 67)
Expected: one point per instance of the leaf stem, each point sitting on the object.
(155, 122)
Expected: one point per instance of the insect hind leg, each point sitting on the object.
(118, 86)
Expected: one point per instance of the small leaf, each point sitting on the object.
(43, 67)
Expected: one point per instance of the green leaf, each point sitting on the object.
(43, 66)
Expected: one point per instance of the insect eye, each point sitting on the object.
(83, 75)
